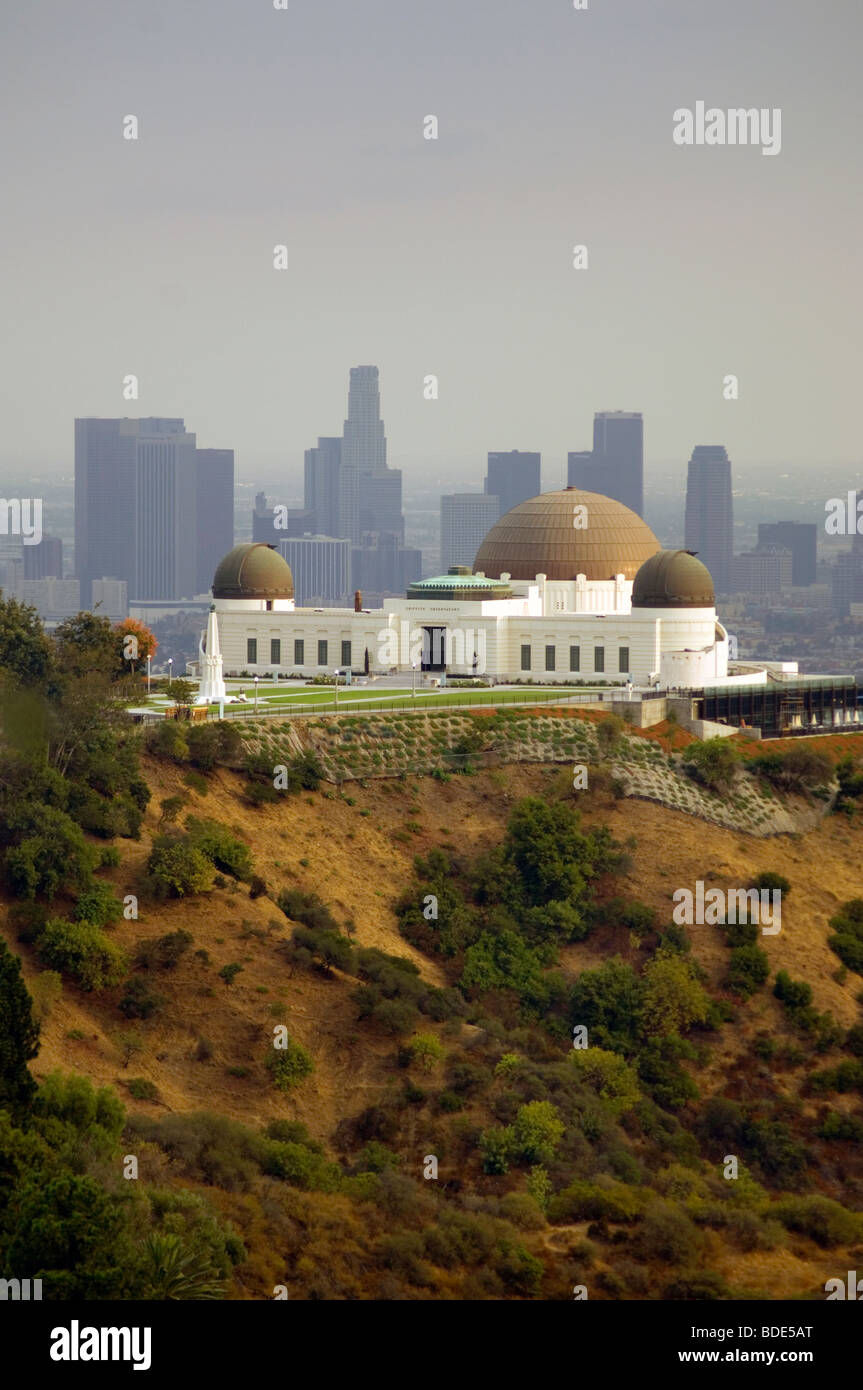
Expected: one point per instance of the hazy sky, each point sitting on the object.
(452, 257)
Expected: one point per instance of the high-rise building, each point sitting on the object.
(321, 567)
(321, 494)
(136, 506)
(801, 538)
(513, 477)
(465, 520)
(761, 572)
(709, 511)
(214, 511)
(615, 465)
(45, 560)
(363, 450)
(383, 568)
(150, 508)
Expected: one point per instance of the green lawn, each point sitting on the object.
(323, 697)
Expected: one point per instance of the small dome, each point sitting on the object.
(253, 571)
(539, 537)
(673, 579)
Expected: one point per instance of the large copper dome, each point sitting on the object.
(253, 571)
(538, 537)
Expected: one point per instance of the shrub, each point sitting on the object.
(140, 1000)
(609, 1075)
(537, 1132)
(847, 938)
(257, 886)
(224, 850)
(795, 994)
(289, 1066)
(673, 997)
(229, 973)
(141, 1089)
(178, 869)
(713, 763)
(820, 1218)
(83, 951)
(772, 883)
(748, 970)
(426, 1050)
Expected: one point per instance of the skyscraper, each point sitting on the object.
(513, 477)
(137, 501)
(615, 466)
(321, 485)
(465, 520)
(709, 511)
(363, 451)
(214, 511)
(801, 538)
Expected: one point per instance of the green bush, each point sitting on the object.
(847, 938)
(178, 869)
(748, 970)
(224, 850)
(98, 904)
(140, 999)
(83, 951)
(289, 1066)
(141, 1089)
(820, 1218)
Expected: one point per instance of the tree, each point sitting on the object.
(426, 1050)
(19, 1036)
(177, 869)
(51, 856)
(142, 644)
(537, 1131)
(86, 644)
(608, 1002)
(673, 998)
(366, 661)
(714, 763)
(181, 692)
(609, 732)
(82, 951)
(25, 651)
(609, 1075)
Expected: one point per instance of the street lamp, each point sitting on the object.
(149, 659)
(257, 678)
(413, 678)
(336, 674)
(170, 669)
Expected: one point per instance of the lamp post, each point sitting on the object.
(170, 669)
(257, 678)
(336, 674)
(149, 659)
(413, 678)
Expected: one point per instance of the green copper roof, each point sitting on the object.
(459, 584)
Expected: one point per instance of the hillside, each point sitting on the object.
(355, 848)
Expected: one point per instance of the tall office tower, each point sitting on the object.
(263, 518)
(615, 465)
(513, 477)
(383, 568)
(364, 448)
(135, 506)
(45, 560)
(709, 511)
(801, 538)
(321, 485)
(215, 511)
(465, 520)
(321, 567)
